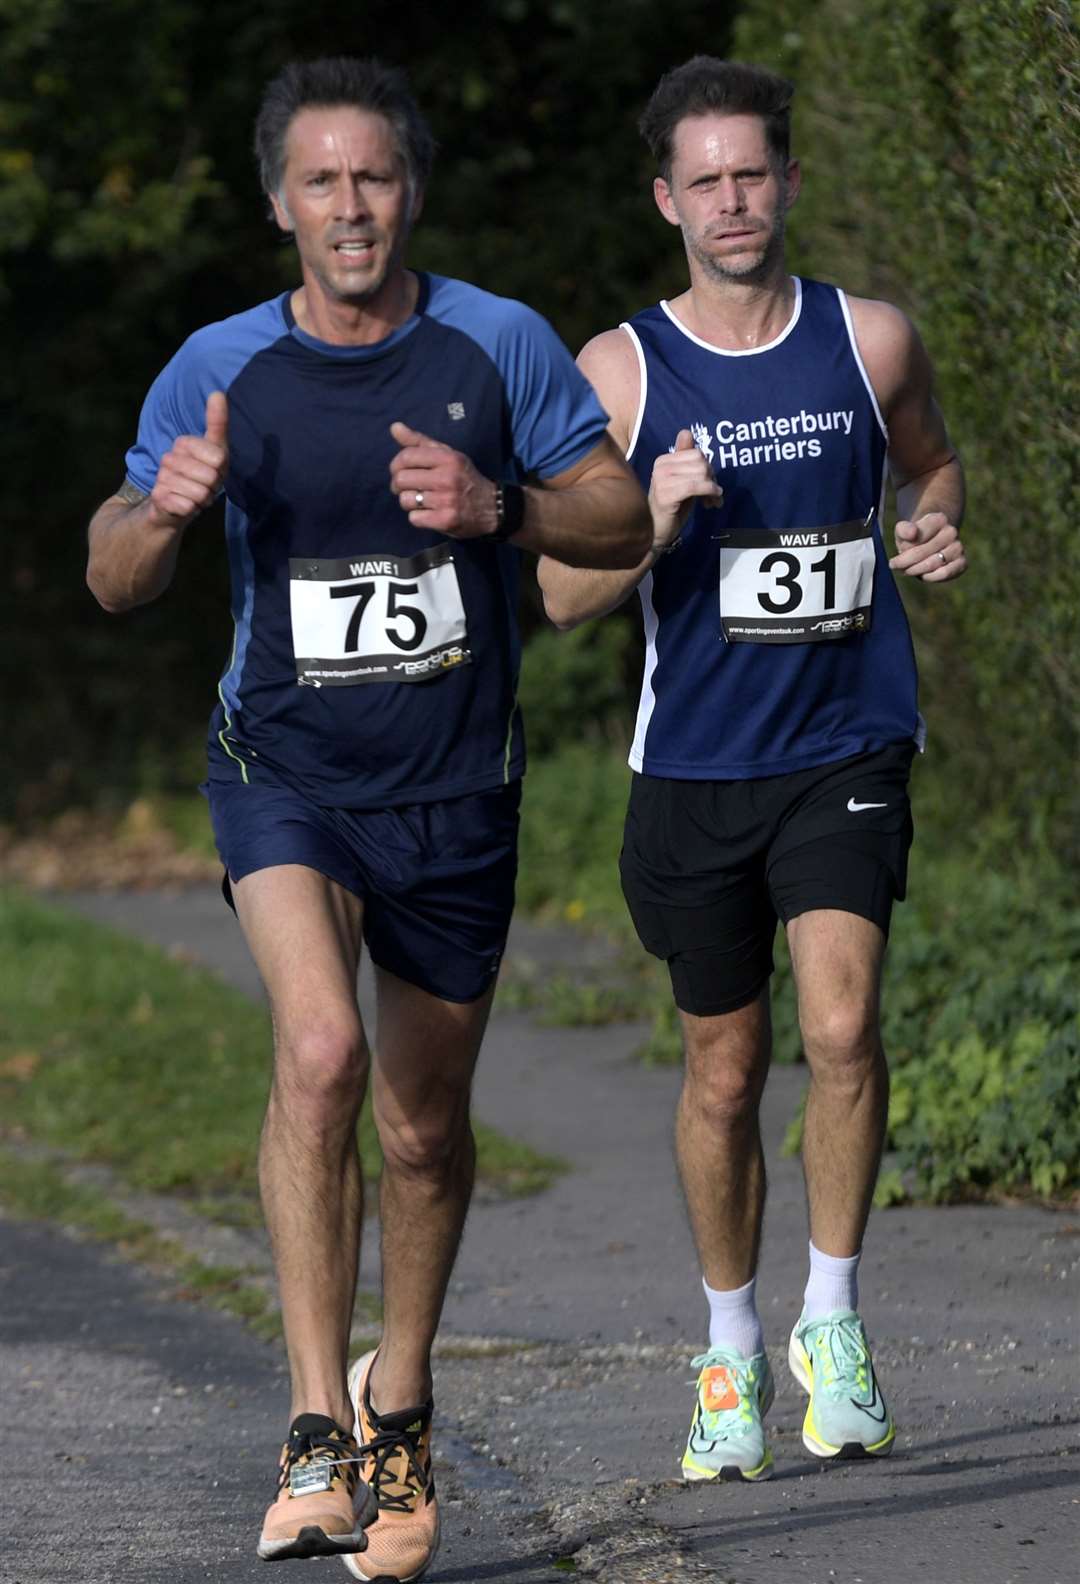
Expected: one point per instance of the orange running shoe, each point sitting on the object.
(404, 1538)
(322, 1505)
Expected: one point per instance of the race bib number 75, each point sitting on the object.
(797, 586)
(376, 618)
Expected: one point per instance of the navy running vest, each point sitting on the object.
(796, 440)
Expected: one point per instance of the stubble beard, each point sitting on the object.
(731, 271)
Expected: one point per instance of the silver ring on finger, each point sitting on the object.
(419, 501)
(943, 557)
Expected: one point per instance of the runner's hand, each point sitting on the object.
(193, 471)
(457, 499)
(929, 548)
(679, 478)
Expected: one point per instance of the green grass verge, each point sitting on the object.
(38, 1190)
(113, 1052)
(558, 1001)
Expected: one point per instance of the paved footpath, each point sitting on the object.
(140, 1431)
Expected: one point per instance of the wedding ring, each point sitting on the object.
(943, 556)
(420, 501)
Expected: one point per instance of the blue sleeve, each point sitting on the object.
(555, 415)
(209, 360)
(175, 405)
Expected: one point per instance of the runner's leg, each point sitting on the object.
(718, 1145)
(718, 1140)
(837, 958)
(426, 1050)
(304, 933)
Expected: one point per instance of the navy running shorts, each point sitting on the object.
(709, 866)
(436, 879)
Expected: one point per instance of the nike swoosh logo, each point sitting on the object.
(856, 808)
(875, 1401)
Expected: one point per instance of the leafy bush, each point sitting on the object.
(578, 685)
(971, 1115)
(982, 1022)
(571, 832)
(981, 1003)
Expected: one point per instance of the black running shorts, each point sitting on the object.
(709, 866)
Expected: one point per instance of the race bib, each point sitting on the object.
(799, 586)
(377, 618)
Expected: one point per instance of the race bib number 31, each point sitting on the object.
(799, 586)
(377, 618)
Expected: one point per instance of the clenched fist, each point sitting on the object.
(440, 488)
(929, 548)
(679, 478)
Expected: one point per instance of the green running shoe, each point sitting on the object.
(726, 1439)
(847, 1416)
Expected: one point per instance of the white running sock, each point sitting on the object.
(734, 1322)
(833, 1284)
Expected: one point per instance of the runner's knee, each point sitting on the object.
(841, 1039)
(321, 1066)
(724, 1077)
(723, 1099)
(423, 1134)
(423, 1147)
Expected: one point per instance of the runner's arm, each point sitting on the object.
(134, 539)
(592, 514)
(572, 595)
(926, 471)
(132, 557)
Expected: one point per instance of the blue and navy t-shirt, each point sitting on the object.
(756, 662)
(373, 663)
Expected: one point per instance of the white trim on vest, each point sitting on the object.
(860, 365)
(644, 374)
(707, 346)
(647, 701)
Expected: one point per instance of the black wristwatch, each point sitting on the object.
(509, 511)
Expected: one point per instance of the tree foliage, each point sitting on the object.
(130, 214)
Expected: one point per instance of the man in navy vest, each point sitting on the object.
(379, 436)
(777, 723)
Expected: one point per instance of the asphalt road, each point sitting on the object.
(140, 1429)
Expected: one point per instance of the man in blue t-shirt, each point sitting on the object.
(380, 437)
(777, 723)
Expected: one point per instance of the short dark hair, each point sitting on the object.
(328, 83)
(705, 85)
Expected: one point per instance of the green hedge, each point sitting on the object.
(937, 138)
(939, 142)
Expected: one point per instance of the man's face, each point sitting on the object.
(345, 196)
(729, 196)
